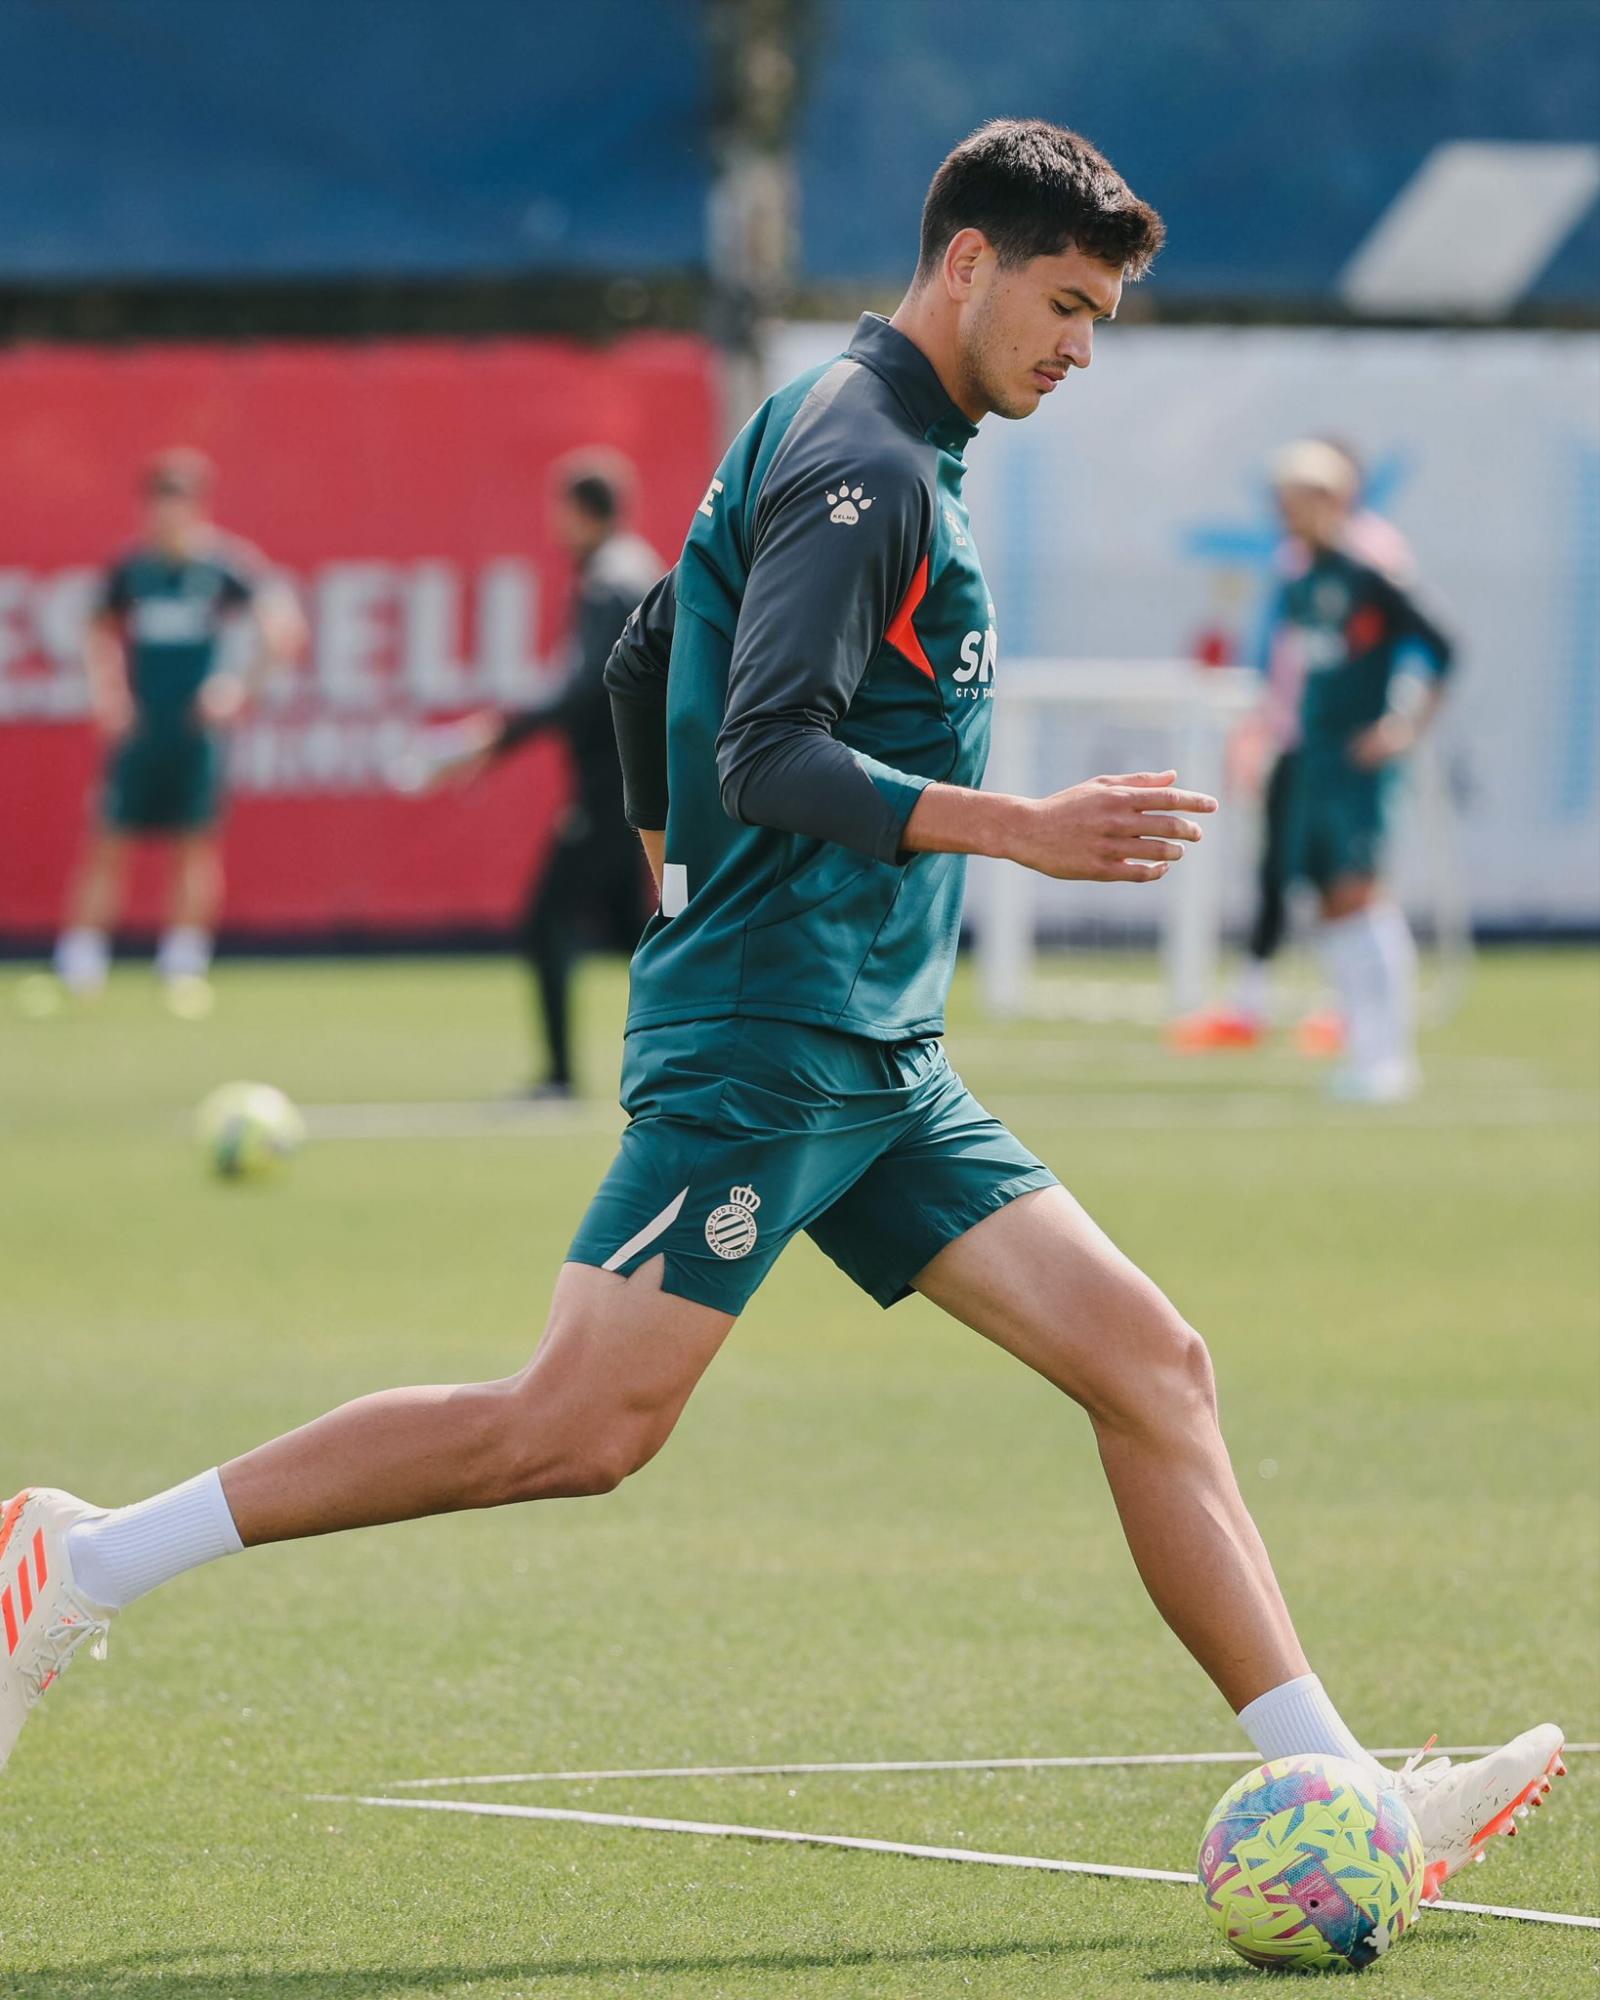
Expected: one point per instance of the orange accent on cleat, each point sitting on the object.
(1217, 1028)
(1433, 1880)
(9, 1513)
(1320, 1035)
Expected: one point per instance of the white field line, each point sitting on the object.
(465, 1119)
(1137, 1110)
(491, 1809)
(1115, 1761)
(1270, 1110)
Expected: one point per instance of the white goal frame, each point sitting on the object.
(1187, 712)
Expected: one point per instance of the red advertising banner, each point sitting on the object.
(403, 488)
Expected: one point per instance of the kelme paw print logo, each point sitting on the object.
(848, 504)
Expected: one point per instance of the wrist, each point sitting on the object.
(953, 819)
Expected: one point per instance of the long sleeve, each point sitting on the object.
(1418, 633)
(636, 681)
(830, 567)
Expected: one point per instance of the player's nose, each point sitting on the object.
(1076, 346)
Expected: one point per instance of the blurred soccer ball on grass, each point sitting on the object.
(1307, 1864)
(248, 1130)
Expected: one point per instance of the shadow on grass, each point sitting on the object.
(155, 1975)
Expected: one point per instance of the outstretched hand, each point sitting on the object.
(1130, 828)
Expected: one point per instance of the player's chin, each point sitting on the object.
(1019, 401)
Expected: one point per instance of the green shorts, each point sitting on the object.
(166, 781)
(743, 1132)
(1337, 820)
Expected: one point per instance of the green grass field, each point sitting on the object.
(873, 1537)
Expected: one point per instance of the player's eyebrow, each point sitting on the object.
(1094, 305)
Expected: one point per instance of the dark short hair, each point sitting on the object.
(180, 472)
(597, 480)
(1035, 190)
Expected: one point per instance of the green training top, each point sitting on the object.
(172, 614)
(823, 650)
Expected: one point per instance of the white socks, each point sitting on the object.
(117, 1557)
(1252, 989)
(184, 953)
(1297, 1719)
(82, 959)
(1372, 964)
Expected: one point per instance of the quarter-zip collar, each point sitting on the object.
(914, 379)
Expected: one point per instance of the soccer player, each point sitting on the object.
(803, 708)
(161, 696)
(592, 883)
(1373, 667)
(1243, 1021)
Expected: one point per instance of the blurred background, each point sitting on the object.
(389, 264)
(386, 261)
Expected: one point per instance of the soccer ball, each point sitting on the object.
(247, 1130)
(1307, 1863)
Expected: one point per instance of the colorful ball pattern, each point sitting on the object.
(1306, 1863)
(247, 1130)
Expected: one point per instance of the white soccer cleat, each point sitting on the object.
(1375, 1083)
(44, 1619)
(1459, 1808)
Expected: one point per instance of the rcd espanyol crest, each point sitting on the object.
(731, 1229)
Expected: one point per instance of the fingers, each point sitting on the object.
(1169, 800)
(1153, 825)
(1141, 778)
(1132, 871)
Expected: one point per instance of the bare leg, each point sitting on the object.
(95, 898)
(611, 1376)
(197, 882)
(1041, 1280)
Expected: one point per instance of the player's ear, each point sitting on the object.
(963, 259)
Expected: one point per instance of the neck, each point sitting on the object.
(920, 318)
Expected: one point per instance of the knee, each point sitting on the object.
(534, 1453)
(1172, 1391)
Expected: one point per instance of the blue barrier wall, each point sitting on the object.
(263, 138)
(1271, 134)
(298, 138)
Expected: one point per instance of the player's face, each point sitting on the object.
(574, 527)
(1312, 514)
(1025, 326)
(172, 519)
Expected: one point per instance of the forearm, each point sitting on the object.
(106, 672)
(1124, 829)
(654, 842)
(950, 819)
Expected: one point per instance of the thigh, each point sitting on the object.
(1277, 806)
(953, 1164)
(620, 1354)
(1041, 1279)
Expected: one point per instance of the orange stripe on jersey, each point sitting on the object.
(901, 634)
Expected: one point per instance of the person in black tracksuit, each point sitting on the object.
(593, 887)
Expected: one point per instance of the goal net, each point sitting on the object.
(1145, 952)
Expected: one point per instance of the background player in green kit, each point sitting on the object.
(802, 713)
(160, 694)
(1372, 666)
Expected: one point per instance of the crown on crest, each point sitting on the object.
(745, 1197)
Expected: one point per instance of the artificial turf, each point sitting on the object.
(873, 1536)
